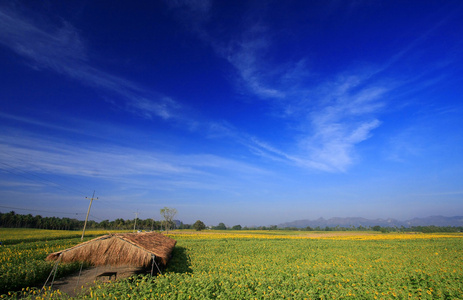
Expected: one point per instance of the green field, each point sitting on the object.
(277, 265)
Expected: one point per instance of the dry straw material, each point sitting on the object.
(134, 249)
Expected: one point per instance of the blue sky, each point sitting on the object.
(242, 112)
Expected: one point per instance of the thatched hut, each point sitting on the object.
(134, 249)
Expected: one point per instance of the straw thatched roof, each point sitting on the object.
(120, 249)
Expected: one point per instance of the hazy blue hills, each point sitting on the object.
(357, 221)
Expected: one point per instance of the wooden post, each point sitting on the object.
(88, 212)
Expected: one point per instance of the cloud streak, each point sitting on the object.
(332, 116)
(63, 50)
(245, 55)
(334, 121)
(121, 166)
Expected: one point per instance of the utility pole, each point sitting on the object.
(88, 212)
(136, 217)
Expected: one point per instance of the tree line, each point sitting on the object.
(14, 220)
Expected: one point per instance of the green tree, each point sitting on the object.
(168, 214)
(199, 225)
(104, 224)
(185, 226)
(236, 227)
(221, 226)
(376, 228)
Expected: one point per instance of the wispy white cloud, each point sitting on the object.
(57, 158)
(54, 48)
(120, 165)
(344, 116)
(333, 116)
(62, 49)
(38, 123)
(264, 150)
(334, 143)
(245, 54)
(15, 184)
(165, 107)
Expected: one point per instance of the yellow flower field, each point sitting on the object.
(287, 266)
(280, 265)
(344, 235)
(23, 252)
(16, 235)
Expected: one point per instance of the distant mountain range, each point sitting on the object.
(349, 222)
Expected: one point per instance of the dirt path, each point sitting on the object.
(74, 284)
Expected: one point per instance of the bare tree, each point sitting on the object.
(168, 214)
